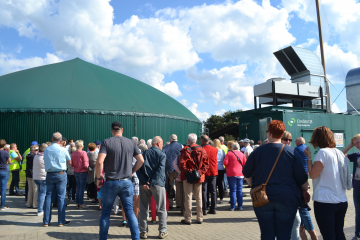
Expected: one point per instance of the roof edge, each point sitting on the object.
(101, 112)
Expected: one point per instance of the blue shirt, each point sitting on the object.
(300, 149)
(220, 159)
(289, 174)
(172, 151)
(13, 155)
(55, 157)
(355, 158)
(4, 155)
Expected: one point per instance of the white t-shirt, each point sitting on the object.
(328, 186)
(248, 150)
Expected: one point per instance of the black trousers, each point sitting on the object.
(92, 190)
(209, 186)
(220, 183)
(330, 219)
(71, 187)
(14, 186)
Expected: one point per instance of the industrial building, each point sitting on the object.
(81, 100)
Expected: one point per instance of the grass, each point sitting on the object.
(22, 180)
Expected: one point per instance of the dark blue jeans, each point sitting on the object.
(235, 186)
(14, 182)
(356, 197)
(123, 189)
(275, 220)
(55, 181)
(81, 178)
(41, 187)
(4, 177)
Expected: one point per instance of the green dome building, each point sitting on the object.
(81, 100)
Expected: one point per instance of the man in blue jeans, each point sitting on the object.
(55, 157)
(116, 156)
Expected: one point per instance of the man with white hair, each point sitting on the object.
(193, 157)
(149, 143)
(222, 142)
(172, 151)
(152, 183)
(248, 149)
(55, 158)
(136, 140)
(142, 141)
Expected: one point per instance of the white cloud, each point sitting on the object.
(203, 116)
(9, 63)
(220, 113)
(335, 108)
(184, 102)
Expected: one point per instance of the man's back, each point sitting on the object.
(119, 156)
(172, 151)
(55, 158)
(212, 159)
(300, 149)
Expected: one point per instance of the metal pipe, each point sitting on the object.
(327, 87)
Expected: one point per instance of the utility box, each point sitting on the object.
(300, 122)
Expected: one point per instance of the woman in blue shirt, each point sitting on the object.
(4, 172)
(221, 169)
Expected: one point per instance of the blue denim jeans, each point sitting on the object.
(226, 184)
(55, 181)
(306, 219)
(81, 178)
(356, 197)
(4, 177)
(41, 187)
(123, 189)
(275, 220)
(235, 186)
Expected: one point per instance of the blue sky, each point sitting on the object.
(206, 54)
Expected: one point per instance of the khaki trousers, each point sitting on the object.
(188, 189)
(32, 199)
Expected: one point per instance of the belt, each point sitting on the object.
(57, 172)
(122, 179)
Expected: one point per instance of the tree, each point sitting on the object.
(215, 122)
(228, 137)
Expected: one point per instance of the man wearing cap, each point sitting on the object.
(98, 145)
(116, 157)
(172, 151)
(55, 159)
(248, 148)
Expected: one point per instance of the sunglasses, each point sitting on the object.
(286, 139)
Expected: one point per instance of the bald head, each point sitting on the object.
(57, 137)
(157, 142)
(299, 141)
(221, 139)
(204, 139)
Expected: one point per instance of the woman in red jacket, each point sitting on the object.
(234, 162)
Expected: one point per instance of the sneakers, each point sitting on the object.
(220, 201)
(212, 212)
(46, 225)
(231, 209)
(63, 224)
(240, 208)
(4, 208)
(163, 235)
(185, 222)
(40, 213)
(123, 224)
(143, 235)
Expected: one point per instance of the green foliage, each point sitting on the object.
(215, 122)
(228, 137)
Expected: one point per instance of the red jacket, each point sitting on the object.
(232, 164)
(187, 162)
(212, 159)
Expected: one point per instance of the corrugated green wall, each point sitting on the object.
(23, 128)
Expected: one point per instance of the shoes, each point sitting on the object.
(212, 212)
(204, 213)
(244, 194)
(4, 208)
(19, 194)
(143, 235)
(220, 201)
(199, 222)
(29, 206)
(46, 225)
(163, 235)
(123, 224)
(83, 206)
(231, 209)
(240, 208)
(185, 222)
(40, 213)
(355, 238)
(63, 224)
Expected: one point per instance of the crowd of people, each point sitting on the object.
(137, 175)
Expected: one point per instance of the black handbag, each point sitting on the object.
(193, 176)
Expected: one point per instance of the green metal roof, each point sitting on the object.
(78, 86)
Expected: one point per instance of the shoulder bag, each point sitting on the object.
(193, 176)
(258, 194)
(237, 158)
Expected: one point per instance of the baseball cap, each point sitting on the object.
(173, 137)
(97, 143)
(64, 139)
(241, 140)
(246, 140)
(34, 143)
(116, 125)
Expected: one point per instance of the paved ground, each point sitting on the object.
(20, 222)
